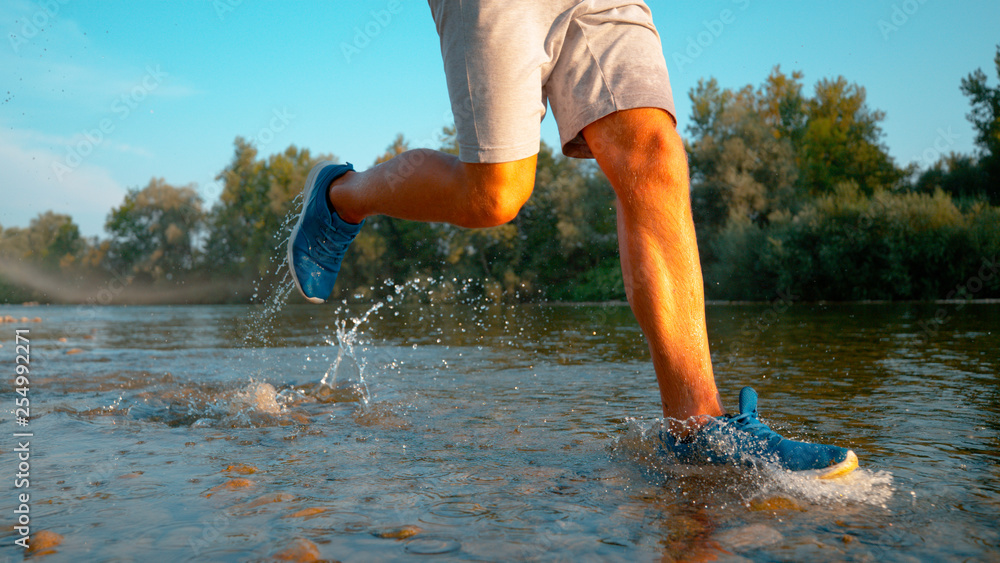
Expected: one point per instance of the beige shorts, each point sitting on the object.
(504, 59)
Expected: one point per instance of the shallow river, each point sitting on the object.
(487, 433)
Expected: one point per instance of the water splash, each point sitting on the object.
(861, 486)
(275, 297)
(346, 377)
(347, 364)
(640, 443)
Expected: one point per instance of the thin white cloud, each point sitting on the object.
(29, 139)
(29, 186)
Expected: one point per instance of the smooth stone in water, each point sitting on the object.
(774, 503)
(266, 499)
(240, 468)
(400, 533)
(43, 542)
(298, 550)
(231, 485)
(306, 512)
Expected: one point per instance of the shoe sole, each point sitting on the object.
(837, 471)
(306, 194)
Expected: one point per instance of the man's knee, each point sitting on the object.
(639, 131)
(497, 191)
(639, 148)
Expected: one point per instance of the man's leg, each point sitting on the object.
(642, 155)
(432, 186)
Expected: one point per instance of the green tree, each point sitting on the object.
(843, 141)
(755, 153)
(782, 105)
(850, 246)
(562, 245)
(255, 210)
(51, 239)
(985, 118)
(389, 248)
(58, 237)
(154, 231)
(961, 176)
(567, 241)
(741, 153)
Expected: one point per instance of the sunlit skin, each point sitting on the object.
(642, 155)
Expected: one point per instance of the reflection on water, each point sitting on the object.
(481, 432)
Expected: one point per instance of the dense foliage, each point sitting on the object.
(791, 193)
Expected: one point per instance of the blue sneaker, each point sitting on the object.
(744, 439)
(320, 238)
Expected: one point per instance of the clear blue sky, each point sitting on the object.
(99, 97)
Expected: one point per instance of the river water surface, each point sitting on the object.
(479, 432)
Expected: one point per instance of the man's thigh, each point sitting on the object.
(493, 56)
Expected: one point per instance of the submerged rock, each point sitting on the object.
(43, 542)
(775, 503)
(230, 485)
(300, 418)
(306, 512)
(400, 533)
(241, 469)
(298, 550)
(266, 499)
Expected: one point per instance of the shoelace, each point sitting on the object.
(326, 248)
(748, 422)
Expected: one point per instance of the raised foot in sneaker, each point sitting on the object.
(320, 238)
(744, 439)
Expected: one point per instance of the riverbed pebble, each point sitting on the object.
(300, 418)
(398, 533)
(306, 512)
(771, 504)
(13, 319)
(230, 485)
(241, 469)
(299, 549)
(266, 499)
(43, 542)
